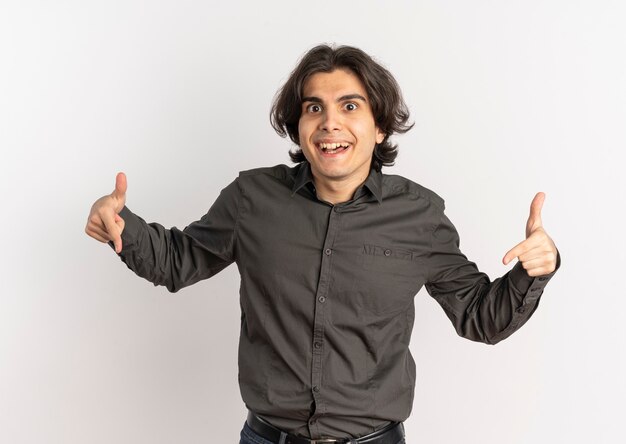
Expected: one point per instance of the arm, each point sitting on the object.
(175, 258)
(479, 309)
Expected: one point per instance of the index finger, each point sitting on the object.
(518, 250)
(112, 230)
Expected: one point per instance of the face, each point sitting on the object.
(337, 128)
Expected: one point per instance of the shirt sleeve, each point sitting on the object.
(479, 309)
(175, 258)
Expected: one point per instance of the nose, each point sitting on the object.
(331, 121)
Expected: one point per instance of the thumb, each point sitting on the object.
(534, 219)
(120, 190)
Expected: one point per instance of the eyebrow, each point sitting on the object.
(340, 99)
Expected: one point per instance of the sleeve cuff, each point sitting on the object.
(132, 230)
(531, 286)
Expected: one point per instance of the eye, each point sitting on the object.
(313, 108)
(350, 106)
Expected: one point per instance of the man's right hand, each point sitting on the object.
(104, 222)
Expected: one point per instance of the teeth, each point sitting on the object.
(333, 146)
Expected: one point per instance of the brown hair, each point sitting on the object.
(390, 112)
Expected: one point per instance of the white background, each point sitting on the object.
(509, 98)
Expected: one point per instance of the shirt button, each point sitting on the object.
(521, 310)
(317, 345)
(316, 389)
(535, 289)
(337, 209)
(328, 251)
(322, 299)
(543, 278)
(387, 252)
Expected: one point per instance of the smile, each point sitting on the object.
(333, 148)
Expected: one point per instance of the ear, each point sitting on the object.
(380, 136)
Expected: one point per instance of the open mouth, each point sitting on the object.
(333, 148)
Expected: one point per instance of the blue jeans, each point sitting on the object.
(249, 436)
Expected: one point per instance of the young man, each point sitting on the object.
(331, 253)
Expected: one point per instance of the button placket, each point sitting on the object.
(317, 348)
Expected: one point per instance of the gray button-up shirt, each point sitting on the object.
(327, 291)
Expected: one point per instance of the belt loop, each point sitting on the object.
(283, 438)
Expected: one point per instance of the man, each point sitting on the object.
(331, 253)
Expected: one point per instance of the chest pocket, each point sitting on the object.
(389, 278)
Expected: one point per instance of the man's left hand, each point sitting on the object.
(538, 252)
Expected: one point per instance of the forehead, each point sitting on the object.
(339, 82)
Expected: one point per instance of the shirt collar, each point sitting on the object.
(303, 176)
(374, 181)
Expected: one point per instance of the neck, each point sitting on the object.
(337, 191)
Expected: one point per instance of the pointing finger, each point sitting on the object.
(113, 231)
(518, 250)
(121, 223)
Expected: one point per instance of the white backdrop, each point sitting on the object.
(509, 98)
